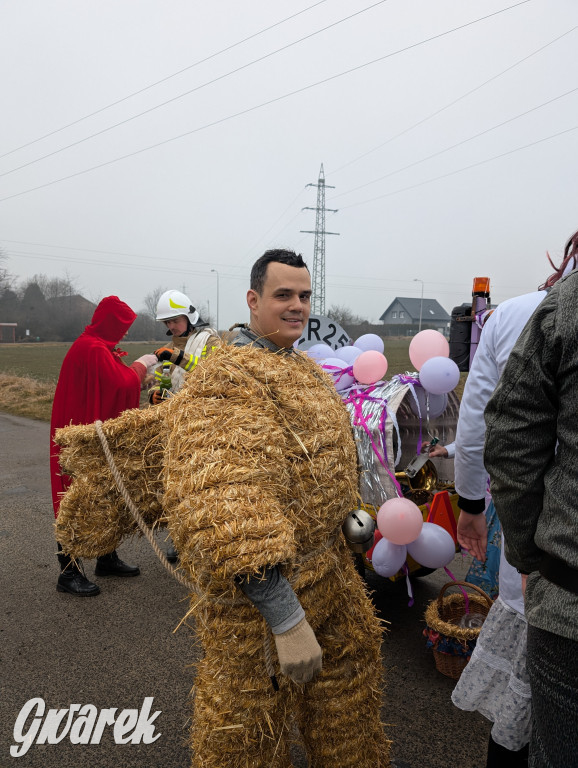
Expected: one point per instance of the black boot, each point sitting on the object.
(172, 554)
(72, 579)
(112, 565)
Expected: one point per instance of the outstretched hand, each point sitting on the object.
(164, 353)
(438, 451)
(473, 534)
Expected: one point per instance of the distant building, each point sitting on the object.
(74, 304)
(8, 330)
(406, 312)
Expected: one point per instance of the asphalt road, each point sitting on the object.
(116, 649)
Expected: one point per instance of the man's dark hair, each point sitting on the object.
(259, 269)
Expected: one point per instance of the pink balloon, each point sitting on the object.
(388, 558)
(400, 520)
(369, 341)
(439, 375)
(433, 548)
(334, 366)
(369, 367)
(427, 344)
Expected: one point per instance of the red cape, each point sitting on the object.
(94, 383)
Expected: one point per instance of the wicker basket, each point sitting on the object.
(451, 643)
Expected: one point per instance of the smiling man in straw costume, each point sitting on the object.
(260, 472)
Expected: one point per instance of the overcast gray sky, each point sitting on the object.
(221, 187)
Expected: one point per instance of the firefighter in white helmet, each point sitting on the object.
(191, 340)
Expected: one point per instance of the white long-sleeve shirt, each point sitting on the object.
(500, 333)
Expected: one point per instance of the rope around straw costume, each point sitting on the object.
(178, 575)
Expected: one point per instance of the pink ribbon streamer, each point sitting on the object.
(356, 398)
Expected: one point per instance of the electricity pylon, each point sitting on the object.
(318, 282)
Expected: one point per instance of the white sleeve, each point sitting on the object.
(470, 473)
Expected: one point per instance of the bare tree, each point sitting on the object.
(205, 313)
(6, 279)
(51, 287)
(343, 315)
(150, 302)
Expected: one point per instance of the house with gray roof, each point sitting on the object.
(406, 312)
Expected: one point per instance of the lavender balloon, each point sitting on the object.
(349, 354)
(439, 375)
(341, 380)
(319, 351)
(437, 403)
(387, 558)
(369, 341)
(433, 548)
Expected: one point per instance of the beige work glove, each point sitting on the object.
(299, 653)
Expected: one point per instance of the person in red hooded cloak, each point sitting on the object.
(94, 383)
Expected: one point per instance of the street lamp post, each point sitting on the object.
(417, 280)
(215, 271)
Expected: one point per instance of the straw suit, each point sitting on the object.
(273, 487)
(242, 488)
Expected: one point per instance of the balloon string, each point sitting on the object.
(405, 570)
(412, 382)
(462, 590)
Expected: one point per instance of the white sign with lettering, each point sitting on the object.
(323, 330)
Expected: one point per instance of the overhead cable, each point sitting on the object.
(457, 144)
(452, 103)
(164, 79)
(263, 104)
(190, 91)
(461, 170)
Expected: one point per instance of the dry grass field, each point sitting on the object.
(29, 372)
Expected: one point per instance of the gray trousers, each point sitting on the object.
(553, 669)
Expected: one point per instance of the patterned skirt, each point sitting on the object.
(495, 682)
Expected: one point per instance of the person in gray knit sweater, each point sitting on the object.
(531, 454)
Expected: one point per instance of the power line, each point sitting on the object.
(458, 144)
(291, 204)
(455, 101)
(434, 114)
(263, 104)
(99, 263)
(164, 79)
(461, 170)
(190, 91)
(166, 261)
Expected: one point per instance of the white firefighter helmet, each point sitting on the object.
(174, 303)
